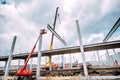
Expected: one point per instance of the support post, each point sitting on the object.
(109, 58)
(70, 61)
(78, 65)
(62, 61)
(39, 57)
(31, 64)
(116, 57)
(10, 56)
(94, 57)
(116, 54)
(5, 64)
(24, 60)
(18, 64)
(82, 50)
(58, 59)
(50, 67)
(42, 31)
(98, 55)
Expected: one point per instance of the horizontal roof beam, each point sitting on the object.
(67, 50)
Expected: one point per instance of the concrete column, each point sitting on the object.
(94, 57)
(31, 64)
(118, 57)
(62, 61)
(50, 67)
(18, 64)
(101, 57)
(10, 56)
(106, 56)
(24, 60)
(45, 59)
(58, 60)
(39, 57)
(116, 54)
(70, 61)
(82, 50)
(109, 58)
(5, 64)
(78, 65)
(98, 55)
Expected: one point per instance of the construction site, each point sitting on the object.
(108, 69)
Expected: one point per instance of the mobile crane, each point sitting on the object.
(24, 71)
(48, 63)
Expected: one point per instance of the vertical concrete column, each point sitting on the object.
(24, 60)
(31, 64)
(45, 59)
(94, 57)
(50, 67)
(70, 61)
(82, 50)
(101, 57)
(5, 64)
(110, 61)
(106, 56)
(10, 56)
(78, 65)
(58, 59)
(42, 31)
(116, 54)
(18, 64)
(98, 55)
(117, 57)
(63, 61)
(39, 57)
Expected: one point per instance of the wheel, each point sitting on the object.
(25, 78)
(19, 78)
(30, 78)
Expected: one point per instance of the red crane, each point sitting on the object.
(24, 71)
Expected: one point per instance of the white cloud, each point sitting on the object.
(7, 36)
(20, 26)
(9, 11)
(108, 6)
(94, 38)
(68, 5)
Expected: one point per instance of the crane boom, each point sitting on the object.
(51, 43)
(26, 72)
(54, 27)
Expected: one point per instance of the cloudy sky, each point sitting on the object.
(25, 18)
